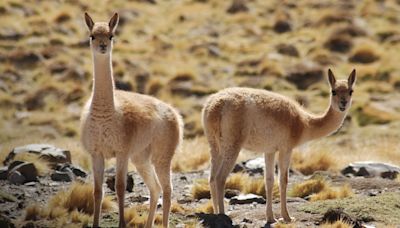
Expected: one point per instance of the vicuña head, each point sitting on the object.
(101, 34)
(341, 91)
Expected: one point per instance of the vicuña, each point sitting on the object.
(266, 122)
(127, 126)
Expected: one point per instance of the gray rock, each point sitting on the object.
(247, 199)
(371, 169)
(48, 152)
(16, 177)
(129, 183)
(3, 173)
(27, 169)
(62, 176)
(215, 221)
(229, 193)
(76, 170)
(14, 164)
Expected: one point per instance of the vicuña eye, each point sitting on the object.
(92, 37)
(111, 37)
(350, 92)
(333, 92)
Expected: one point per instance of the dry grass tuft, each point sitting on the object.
(205, 208)
(78, 217)
(333, 193)
(257, 186)
(78, 197)
(308, 187)
(283, 225)
(201, 189)
(137, 216)
(313, 161)
(41, 165)
(33, 213)
(337, 224)
(365, 53)
(177, 208)
(237, 181)
(193, 156)
(57, 212)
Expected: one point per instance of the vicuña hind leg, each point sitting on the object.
(163, 171)
(215, 167)
(228, 160)
(146, 171)
(98, 175)
(284, 161)
(269, 184)
(120, 186)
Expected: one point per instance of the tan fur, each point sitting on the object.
(127, 126)
(265, 122)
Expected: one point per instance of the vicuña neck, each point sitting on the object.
(103, 85)
(323, 125)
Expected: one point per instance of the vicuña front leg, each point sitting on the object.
(120, 186)
(269, 184)
(284, 161)
(98, 176)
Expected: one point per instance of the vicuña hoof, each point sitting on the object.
(287, 220)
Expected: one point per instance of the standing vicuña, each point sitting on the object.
(127, 126)
(265, 122)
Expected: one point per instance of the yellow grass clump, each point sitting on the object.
(78, 197)
(177, 208)
(313, 161)
(201, 189)
(337, 224)
(205, 208)
(137, 217)
(34, 212)
(41, 165)
(308, 187)
(333, 193)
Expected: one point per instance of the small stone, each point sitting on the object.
(16, 177)
(247, 199)
(287, 49)
(62, 176)
(3, 173)
(28, 170)
(282, 26)
(237, 6)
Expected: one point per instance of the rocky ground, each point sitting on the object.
(373, 184)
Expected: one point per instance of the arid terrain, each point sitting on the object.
(181, 52)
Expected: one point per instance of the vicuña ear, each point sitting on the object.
(89, 21)
(352, 78)
(331, 78)
(113, 22)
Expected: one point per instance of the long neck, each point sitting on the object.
(103, 85)
(323, 125)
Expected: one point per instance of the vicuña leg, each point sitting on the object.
(215, 167)
(228, 161)
(146, 171)
(98, 175)
(120, 186)
(284, 161)
(163, 172)
(269, 184)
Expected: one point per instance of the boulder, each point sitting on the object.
(371, 169)
(129, 183)
(48, 152)
(215, 221)
(26, 169)
(247, 199)
(65, 176)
